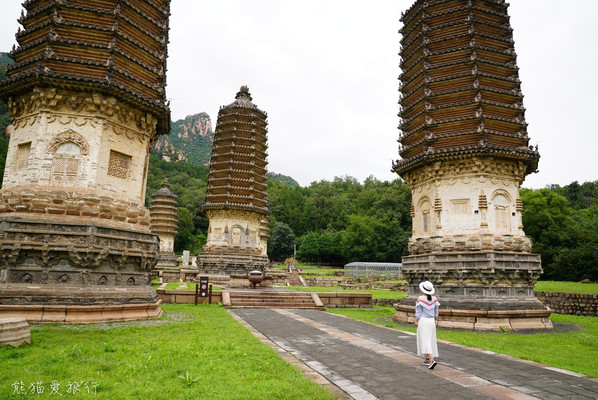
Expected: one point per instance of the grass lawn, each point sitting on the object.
(192, 352)
(567, 287)
(376, 293)
(574, 351)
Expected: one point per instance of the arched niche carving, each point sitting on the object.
(501, 204)
(503, 193)
(68, 136)
(67, 148)
(424, 208)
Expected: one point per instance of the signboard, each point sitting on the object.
(203, 286)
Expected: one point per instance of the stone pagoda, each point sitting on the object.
(236, 200)
(87, 97)
(163, 214)
(465, 153)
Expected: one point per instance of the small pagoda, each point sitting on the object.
(465, 153)
(87, 96)
(163, 215)
(236, 201)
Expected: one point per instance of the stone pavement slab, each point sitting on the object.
(366, 361)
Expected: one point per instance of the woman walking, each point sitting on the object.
(426, 312)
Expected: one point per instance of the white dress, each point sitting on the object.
(426, 311)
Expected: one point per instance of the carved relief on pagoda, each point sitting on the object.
(76, 255)
(79, 141)
(234, 228)
(80, 109)
(466, 210)
(465, 169)
(74, 155)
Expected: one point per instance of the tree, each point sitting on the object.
(370, 239)
(282, 241)
(185, 239)
(547, 219)
(328, 248)
(580, 261)
(310, 248)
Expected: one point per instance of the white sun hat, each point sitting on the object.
(427, 287)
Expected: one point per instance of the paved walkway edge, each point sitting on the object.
(319, 373)
(506, 356)
(307, 371)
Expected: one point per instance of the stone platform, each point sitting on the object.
(54, 271)
(481, 319)
(37, 313)
(14, 332)
(169, 260)
(230, 263)
(484, 290)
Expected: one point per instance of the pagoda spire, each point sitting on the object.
(236, 200)
(465, 153)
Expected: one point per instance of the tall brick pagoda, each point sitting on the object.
(236, 201)
(163, 214)
(87, 97)
(465, 153)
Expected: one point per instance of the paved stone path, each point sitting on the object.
(373, 362)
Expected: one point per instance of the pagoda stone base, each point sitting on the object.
(168, 260)
(50, 269)
(477, 290)
(230, 263)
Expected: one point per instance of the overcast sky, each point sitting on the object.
(326, 73)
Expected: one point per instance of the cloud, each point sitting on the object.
(326, 73)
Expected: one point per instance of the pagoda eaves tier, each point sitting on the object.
(460, 91)
(238, 163)
(116, 48)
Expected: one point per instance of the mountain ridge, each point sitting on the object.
(191, 140)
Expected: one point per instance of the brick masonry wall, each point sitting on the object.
(570, 303)
(348, 300)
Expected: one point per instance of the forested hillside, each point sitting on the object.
(343, 220)
(334, 222)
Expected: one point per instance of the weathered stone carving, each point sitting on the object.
(68, 136)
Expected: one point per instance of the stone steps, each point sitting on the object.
(259, 299)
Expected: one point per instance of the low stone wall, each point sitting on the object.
(385, 302)
(329, 299)
(370, 282)
(186, 296)
(570, 303)
(349, 300)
